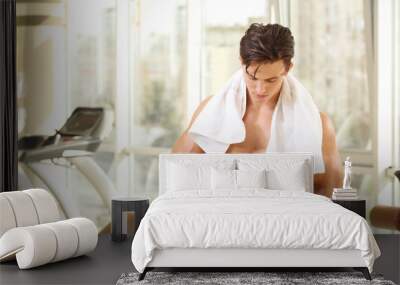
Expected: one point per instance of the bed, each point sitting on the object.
(247, 210)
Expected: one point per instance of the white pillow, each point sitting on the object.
(236, 179)
(281, 174)
(187, 177)
(223, 179)
(292, 178)
(251, 178)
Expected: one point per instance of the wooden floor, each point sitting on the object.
(110, 260)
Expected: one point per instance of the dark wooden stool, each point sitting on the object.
(121, 206)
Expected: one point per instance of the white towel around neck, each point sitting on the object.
(296, 123)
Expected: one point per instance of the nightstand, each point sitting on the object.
(357, 206)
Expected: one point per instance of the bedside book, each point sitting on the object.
(344, 194)
(341, 190)
(345, 198)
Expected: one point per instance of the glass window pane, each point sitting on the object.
(146, 175)
(222, 34)
(91, 37)
(160, 79)
(331, 61)
(159, 89)
(67, 60)
(92, 52)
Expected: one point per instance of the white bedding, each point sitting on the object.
(251, 218)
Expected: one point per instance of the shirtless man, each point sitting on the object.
(266, 53)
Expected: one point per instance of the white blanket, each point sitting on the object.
(296, 122)
(250, 219)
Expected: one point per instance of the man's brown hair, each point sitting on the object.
(266, 44)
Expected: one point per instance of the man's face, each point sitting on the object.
(266, 83)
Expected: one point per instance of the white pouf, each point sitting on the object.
(31, 232)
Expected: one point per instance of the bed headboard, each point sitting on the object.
(272, 160)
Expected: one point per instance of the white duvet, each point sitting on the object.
(252, 218)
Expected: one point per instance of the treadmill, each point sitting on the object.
(78, 136)
(75, 143)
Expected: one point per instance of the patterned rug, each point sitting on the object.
(229, 278)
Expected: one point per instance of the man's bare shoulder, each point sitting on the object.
(199, 108)
(185, 143)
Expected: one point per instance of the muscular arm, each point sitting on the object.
(185, 144)
(324, 182)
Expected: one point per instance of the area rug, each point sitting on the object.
(229, 278)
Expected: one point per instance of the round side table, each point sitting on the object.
(120, 207)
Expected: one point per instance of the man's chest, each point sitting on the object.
(258, 129)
